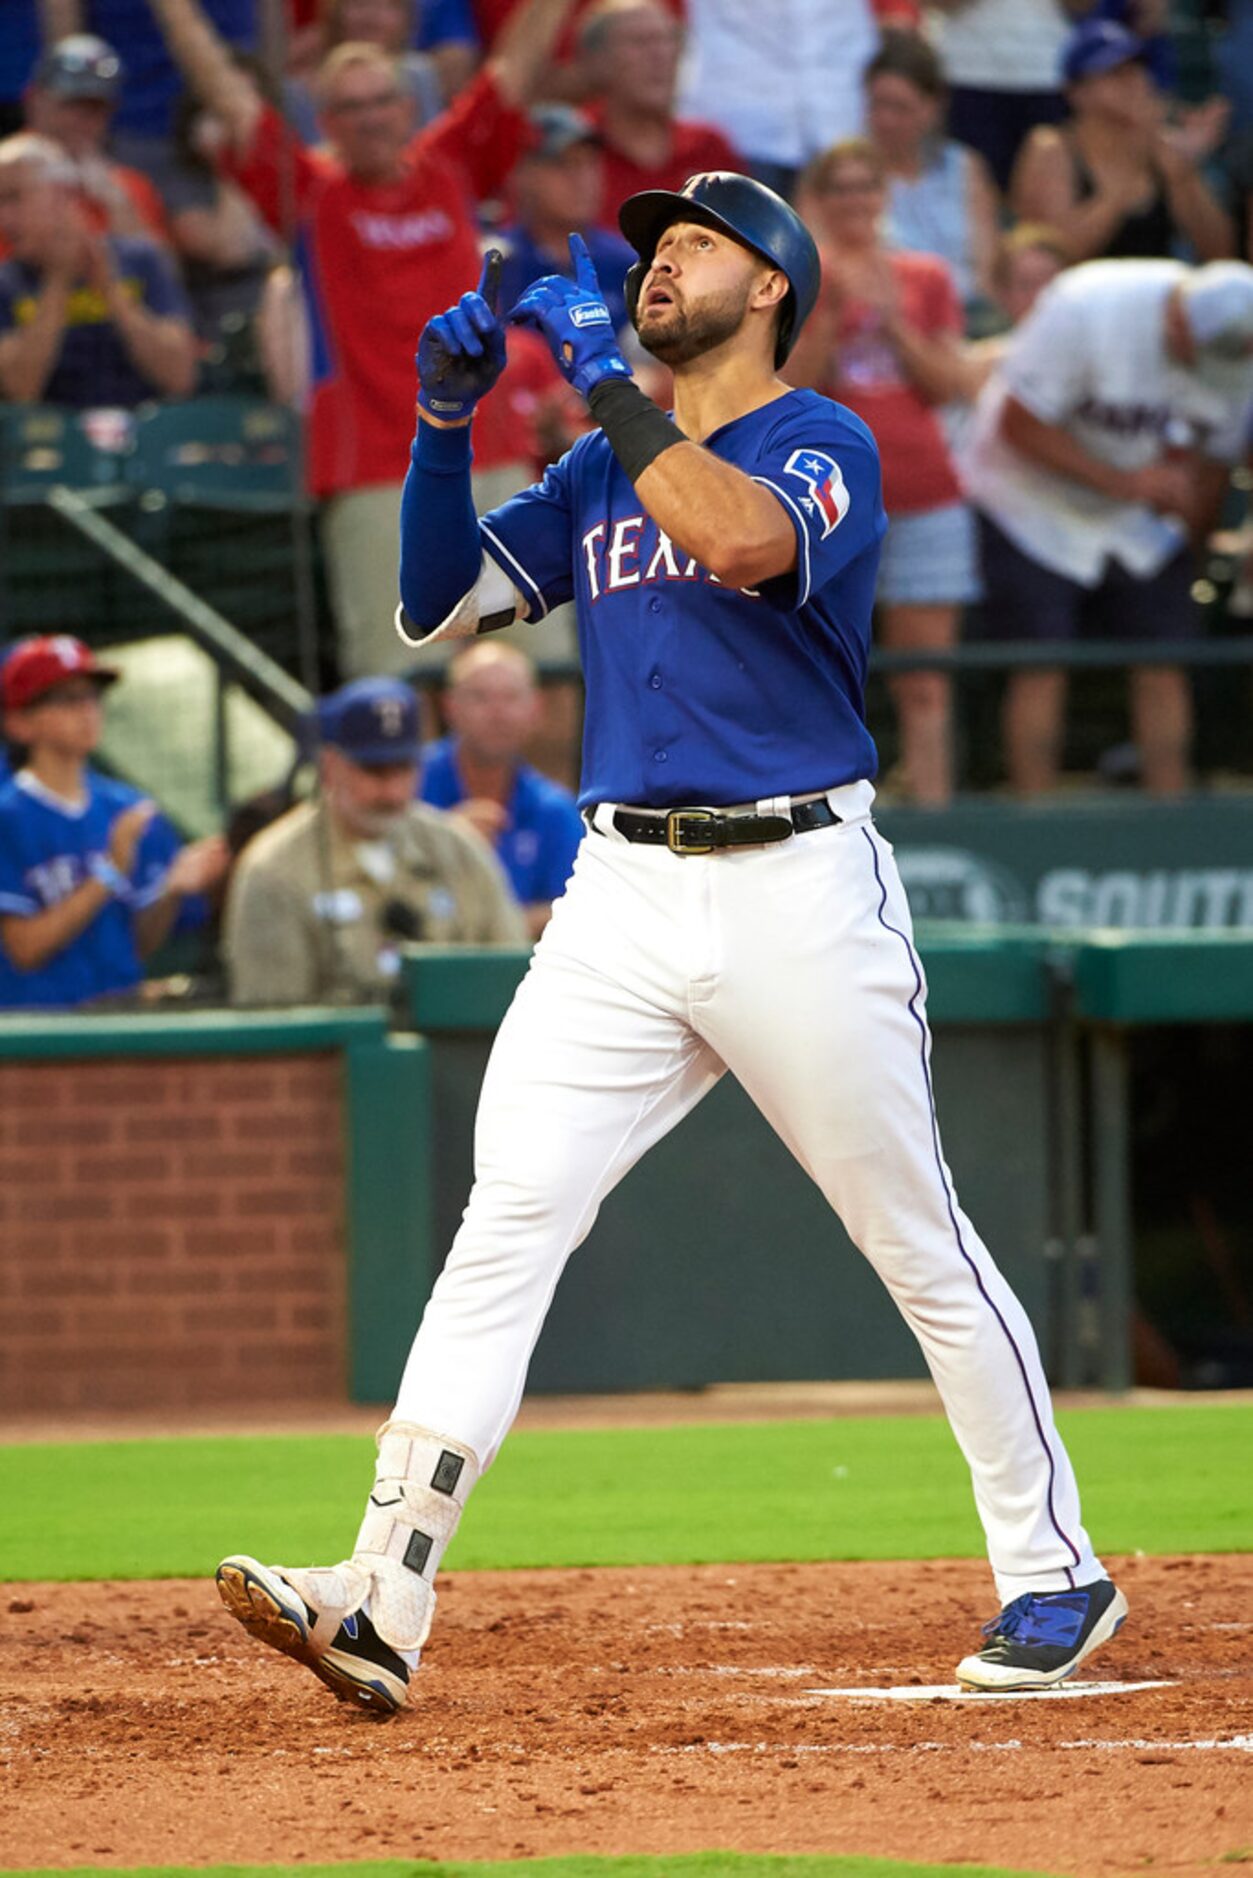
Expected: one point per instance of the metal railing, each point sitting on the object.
(1009, 655)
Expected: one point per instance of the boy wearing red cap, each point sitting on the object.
(91, 878)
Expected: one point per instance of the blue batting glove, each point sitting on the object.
(461, 353)
(574, 320)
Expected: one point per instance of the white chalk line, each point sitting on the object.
(1234, 1744)
(953, 1692)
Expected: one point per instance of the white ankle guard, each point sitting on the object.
(421, 1484)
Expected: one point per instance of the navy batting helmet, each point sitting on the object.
(748, 212)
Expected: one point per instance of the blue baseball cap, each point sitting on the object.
(372, 720)
(1097, 46)
(558, 128)
(80, 66)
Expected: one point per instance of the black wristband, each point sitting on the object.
(637, 431)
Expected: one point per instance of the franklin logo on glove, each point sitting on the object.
(589, 315)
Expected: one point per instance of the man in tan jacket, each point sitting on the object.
(323, 899)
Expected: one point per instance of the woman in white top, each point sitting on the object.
(941, 197)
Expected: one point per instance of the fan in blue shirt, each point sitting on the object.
(86, 319)
(492, 704)
(92, 879)
(95, 364)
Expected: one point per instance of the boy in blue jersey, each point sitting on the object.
(731, 907)
(491, 703)
(92, 879)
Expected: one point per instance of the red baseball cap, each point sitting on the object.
(36, 665)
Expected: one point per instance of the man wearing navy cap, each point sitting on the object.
(323, 898)
(71, 98)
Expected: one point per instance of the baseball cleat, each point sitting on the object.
(1042, 1637)
(356, 1666)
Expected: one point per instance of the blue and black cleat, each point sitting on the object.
(356, 1665)
(1042, 1637)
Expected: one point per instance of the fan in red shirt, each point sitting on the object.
(383, 230)
(377, 251)
(629, 51)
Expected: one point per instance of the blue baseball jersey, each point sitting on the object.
(538, 846)
(46, 846)
(697, 693)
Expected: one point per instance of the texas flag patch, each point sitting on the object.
(828, 494)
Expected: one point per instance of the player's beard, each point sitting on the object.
(690, 332)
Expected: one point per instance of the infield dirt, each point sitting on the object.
(659, 1710)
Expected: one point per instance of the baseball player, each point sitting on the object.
(732, 907)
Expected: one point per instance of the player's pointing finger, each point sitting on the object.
(584, 266)
(489, 281)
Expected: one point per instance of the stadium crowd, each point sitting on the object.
(1014, 200)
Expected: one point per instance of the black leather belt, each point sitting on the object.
(701, 831)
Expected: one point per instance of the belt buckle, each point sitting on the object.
(674, 831)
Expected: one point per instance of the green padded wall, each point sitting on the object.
(740, 1271)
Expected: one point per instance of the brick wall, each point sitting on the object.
(171, 1231)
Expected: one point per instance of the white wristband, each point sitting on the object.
(102, 869)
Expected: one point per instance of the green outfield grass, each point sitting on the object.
(686, 1865)
(1154, 1480)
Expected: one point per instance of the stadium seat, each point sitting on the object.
(42, 446)
(218, 453)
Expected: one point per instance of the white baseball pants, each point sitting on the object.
(793, 966)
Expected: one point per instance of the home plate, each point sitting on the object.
(953, 1692)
